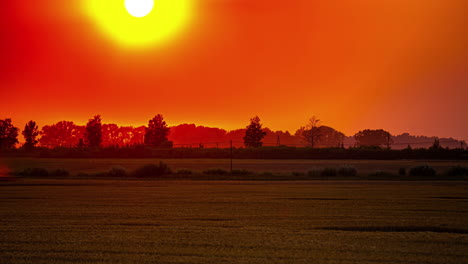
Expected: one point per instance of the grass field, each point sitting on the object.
(105, 221)
(364, 167)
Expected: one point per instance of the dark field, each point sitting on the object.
(92, 221)
(364, 167)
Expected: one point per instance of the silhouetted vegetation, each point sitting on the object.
(34, 172)
(157, 132)
(184, 172)
(318, 136)
(241, 172)
(95, 140)
(381, 175)
(423, 170)
(297, 173)
(283, 152)
(117, 171)
(152, 170)
(30, 133)
(402, 172)
(42, 173)
(59, 173)
(458, 171)
(8, 134)
(311, 132)
(254, 133)
(329, 172)
(93, 134)
(163, 171)
(62, 134)
(347, 171)
(369, 137)
(313, 173)
(215, 172)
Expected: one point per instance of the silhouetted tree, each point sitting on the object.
(111, 135)
(462, 144)
(329, 137)
(125, 135)
(138, 135)
(254, 133)
(186, 134)
(61, 134)
(8, 134)
(370, 137)
(157, 132)
(81, 143)
(422, 141)
(30, 133)
(311, 132)
(93, 134)
(436, 144)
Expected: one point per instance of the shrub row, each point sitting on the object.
(345, 171)
(40, 172)
(281, 152)
(162, 169)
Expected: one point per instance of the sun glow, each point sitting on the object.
(140, 22)
(139, 8)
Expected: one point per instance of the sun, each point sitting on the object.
(139, 8)
(137, 23)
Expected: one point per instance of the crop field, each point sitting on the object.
(75, 166)
(110, 221)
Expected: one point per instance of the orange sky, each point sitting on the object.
(394, 64)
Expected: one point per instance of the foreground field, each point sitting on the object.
(78, 221)
(364, 167)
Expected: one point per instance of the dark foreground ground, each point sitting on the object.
(92, 221)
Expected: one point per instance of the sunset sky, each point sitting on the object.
(400, 65)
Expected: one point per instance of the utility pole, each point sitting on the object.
(278, 143)
(231, 156)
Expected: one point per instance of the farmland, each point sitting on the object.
(108, 221)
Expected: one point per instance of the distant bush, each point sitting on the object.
(313, 173)
(184, 172)
(457, 171)
(347, 171)
(117, 171)
(423, 170)
(215, 172)
(152, 170)
(381, 174)
(297, 173)
(402, 172)
(241, 172)
(83, 175)
(99, 175)
(59, 173)
(328, 172)
(35, 172)
(267, 173)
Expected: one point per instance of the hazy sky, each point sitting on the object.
(394, 64)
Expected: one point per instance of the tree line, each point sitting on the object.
(158, 134)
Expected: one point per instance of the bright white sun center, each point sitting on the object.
(139, 8)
